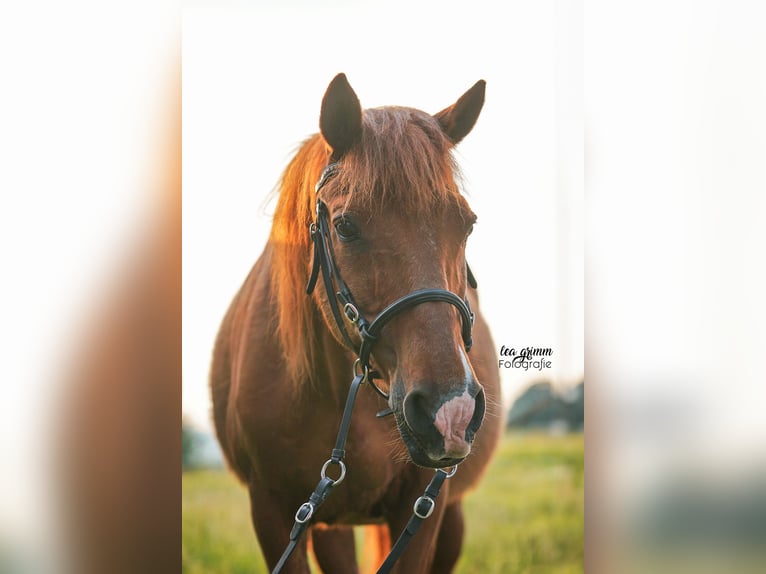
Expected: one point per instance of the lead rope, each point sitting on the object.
(423, 508)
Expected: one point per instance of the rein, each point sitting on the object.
(369, 331)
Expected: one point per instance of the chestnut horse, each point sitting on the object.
(396, 223)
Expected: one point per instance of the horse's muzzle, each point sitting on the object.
(439, 428)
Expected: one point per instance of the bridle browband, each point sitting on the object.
(324, 262)
(369, 331)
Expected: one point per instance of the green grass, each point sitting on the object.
(526, 517)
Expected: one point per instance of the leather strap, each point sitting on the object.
(423, 508)
(371, 333)
(305, 513)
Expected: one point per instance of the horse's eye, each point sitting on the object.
(469, 225)
(468, 232)
(345, 229)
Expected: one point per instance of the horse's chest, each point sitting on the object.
(291, 461)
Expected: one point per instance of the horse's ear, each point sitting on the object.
(458, 119)
(340, 120)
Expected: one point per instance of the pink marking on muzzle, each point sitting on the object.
(452, 421)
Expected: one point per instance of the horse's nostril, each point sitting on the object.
(418, 412)
(478, 415)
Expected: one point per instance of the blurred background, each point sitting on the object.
(90, 243)
(675, 195)
(652, 113)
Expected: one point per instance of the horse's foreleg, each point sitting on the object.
(272, 524)
(450, 540)
(334, 549)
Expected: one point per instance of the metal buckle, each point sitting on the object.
(335, 481)
(308, 507)
(352, 313)
(431, 505)
(364, 373)
(449, 474)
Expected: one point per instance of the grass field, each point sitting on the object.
(527, 516)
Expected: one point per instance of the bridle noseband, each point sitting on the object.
(369, 331)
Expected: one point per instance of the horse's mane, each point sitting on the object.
(403, 159)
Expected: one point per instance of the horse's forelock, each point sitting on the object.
(403, 159)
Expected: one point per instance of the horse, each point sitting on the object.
(375, 195)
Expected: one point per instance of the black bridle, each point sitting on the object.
(324, 262)
(339, 294)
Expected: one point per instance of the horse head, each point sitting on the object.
(397, 224)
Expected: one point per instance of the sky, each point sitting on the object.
(253, 79)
